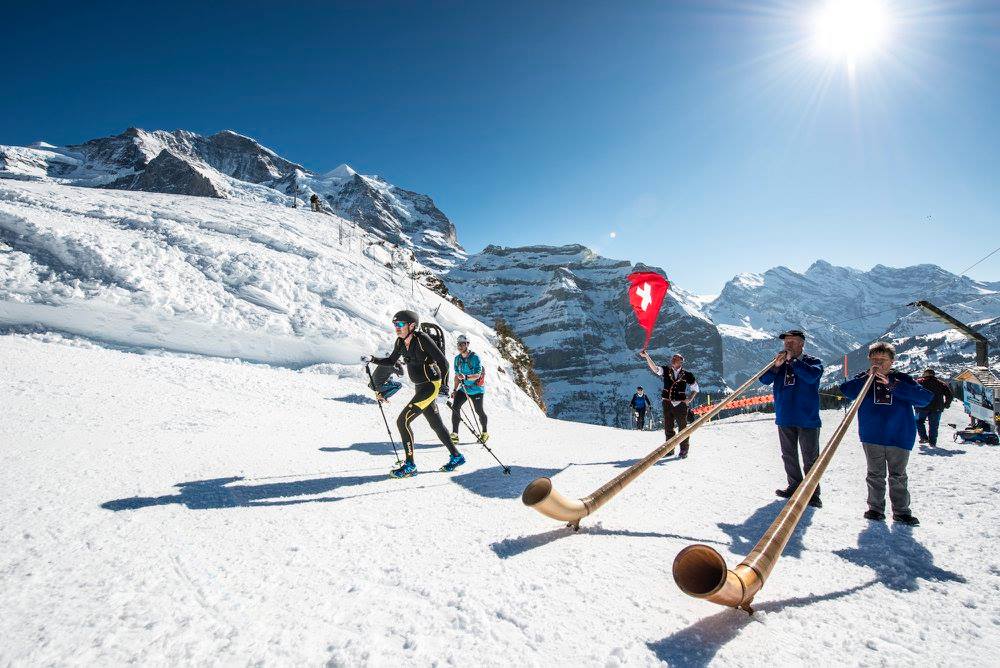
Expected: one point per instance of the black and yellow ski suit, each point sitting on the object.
(426, 365)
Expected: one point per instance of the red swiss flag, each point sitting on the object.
(646, 294)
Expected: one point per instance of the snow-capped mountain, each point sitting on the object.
(194, 275)
(228, 165)
(569, 305)
(840, 308)
(922, 341)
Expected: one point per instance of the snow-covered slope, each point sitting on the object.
(211, 277)
(570, 307)
(840, 307)
(229, 165)
(168, 511)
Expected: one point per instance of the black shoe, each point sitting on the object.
(815, 502)
(906, 519)
(785, 493)
(922, 441)
(874, 515)
(683, 455)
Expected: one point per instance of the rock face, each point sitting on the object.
(838, 307)
(229, 165)
(168, 173)
(570, 307)
(402, 217)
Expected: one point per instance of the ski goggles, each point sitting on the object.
(399, 324)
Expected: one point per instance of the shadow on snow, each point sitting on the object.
(488, 482)
(511, 547)
(939, 451)
(898, 560)
(745, 535)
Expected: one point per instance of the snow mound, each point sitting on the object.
(194, 275)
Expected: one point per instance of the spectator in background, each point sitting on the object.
(929, 417)
(640, 402)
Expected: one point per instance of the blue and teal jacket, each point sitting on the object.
(470, 366)
(886, 414)
(796, 392)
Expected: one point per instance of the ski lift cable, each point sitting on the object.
(961, 273)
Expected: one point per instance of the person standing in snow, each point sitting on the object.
(888, 429)
(468, 373)
(314, 202)
(640, 402)
(679, 390)
(929, 417)
(426, 366)
(795, 376)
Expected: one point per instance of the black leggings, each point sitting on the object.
(423, 402)
(456, 407)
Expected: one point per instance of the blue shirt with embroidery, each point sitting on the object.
(796, 392)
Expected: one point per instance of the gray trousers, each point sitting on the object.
(792, 440)
(880, 460)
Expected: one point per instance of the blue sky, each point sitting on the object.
(707, 135)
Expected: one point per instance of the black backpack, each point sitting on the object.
(437, 336)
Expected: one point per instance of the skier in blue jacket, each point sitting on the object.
(887, 428)
(795, 377)
(640, 402)
(468, 371)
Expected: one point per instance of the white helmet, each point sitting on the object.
(462, 338)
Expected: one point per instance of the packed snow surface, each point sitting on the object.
(174, 510)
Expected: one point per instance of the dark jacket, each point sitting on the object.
(796, 392)
(886, 413)
(640, 403)
(424, 360)
(675, 390)
(941, 391)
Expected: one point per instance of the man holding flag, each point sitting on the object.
(646, 292)
(679, 390)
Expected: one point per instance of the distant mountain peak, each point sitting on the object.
(342, 171)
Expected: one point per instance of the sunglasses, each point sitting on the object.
(463, 343)
(399, 324)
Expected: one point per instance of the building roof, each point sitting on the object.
(981, 375)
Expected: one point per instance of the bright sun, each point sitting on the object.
(850, 30)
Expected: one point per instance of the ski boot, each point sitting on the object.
(454, 438)
(454, 462)
(405, 471)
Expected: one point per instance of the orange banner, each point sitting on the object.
(739, 403)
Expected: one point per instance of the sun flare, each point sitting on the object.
(850, 30)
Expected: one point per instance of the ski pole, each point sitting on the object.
(475, 418)
(387, 430)
(506, 469)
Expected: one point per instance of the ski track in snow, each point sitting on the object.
(181, 510)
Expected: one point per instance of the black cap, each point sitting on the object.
(793, 332)
(930, 372)
(639, 388)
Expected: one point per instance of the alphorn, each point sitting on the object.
(543, 497)
(701, 572)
